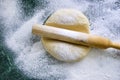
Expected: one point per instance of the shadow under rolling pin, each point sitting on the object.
(74, 37)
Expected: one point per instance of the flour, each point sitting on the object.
(36, 63)
(66, 19)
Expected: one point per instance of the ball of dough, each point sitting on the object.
(72, 20)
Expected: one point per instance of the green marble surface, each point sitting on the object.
(8, 70)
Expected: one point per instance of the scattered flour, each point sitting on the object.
(36, 63)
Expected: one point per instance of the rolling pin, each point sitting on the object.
(73, 37)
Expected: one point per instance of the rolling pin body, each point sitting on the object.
(73, 37)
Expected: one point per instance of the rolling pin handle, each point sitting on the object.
(115, 45)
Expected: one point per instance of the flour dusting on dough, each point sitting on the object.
(67, 52)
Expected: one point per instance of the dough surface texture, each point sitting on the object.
(72, 20)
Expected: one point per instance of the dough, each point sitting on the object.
(72, 20)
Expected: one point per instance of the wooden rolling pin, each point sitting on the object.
(74, 37)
